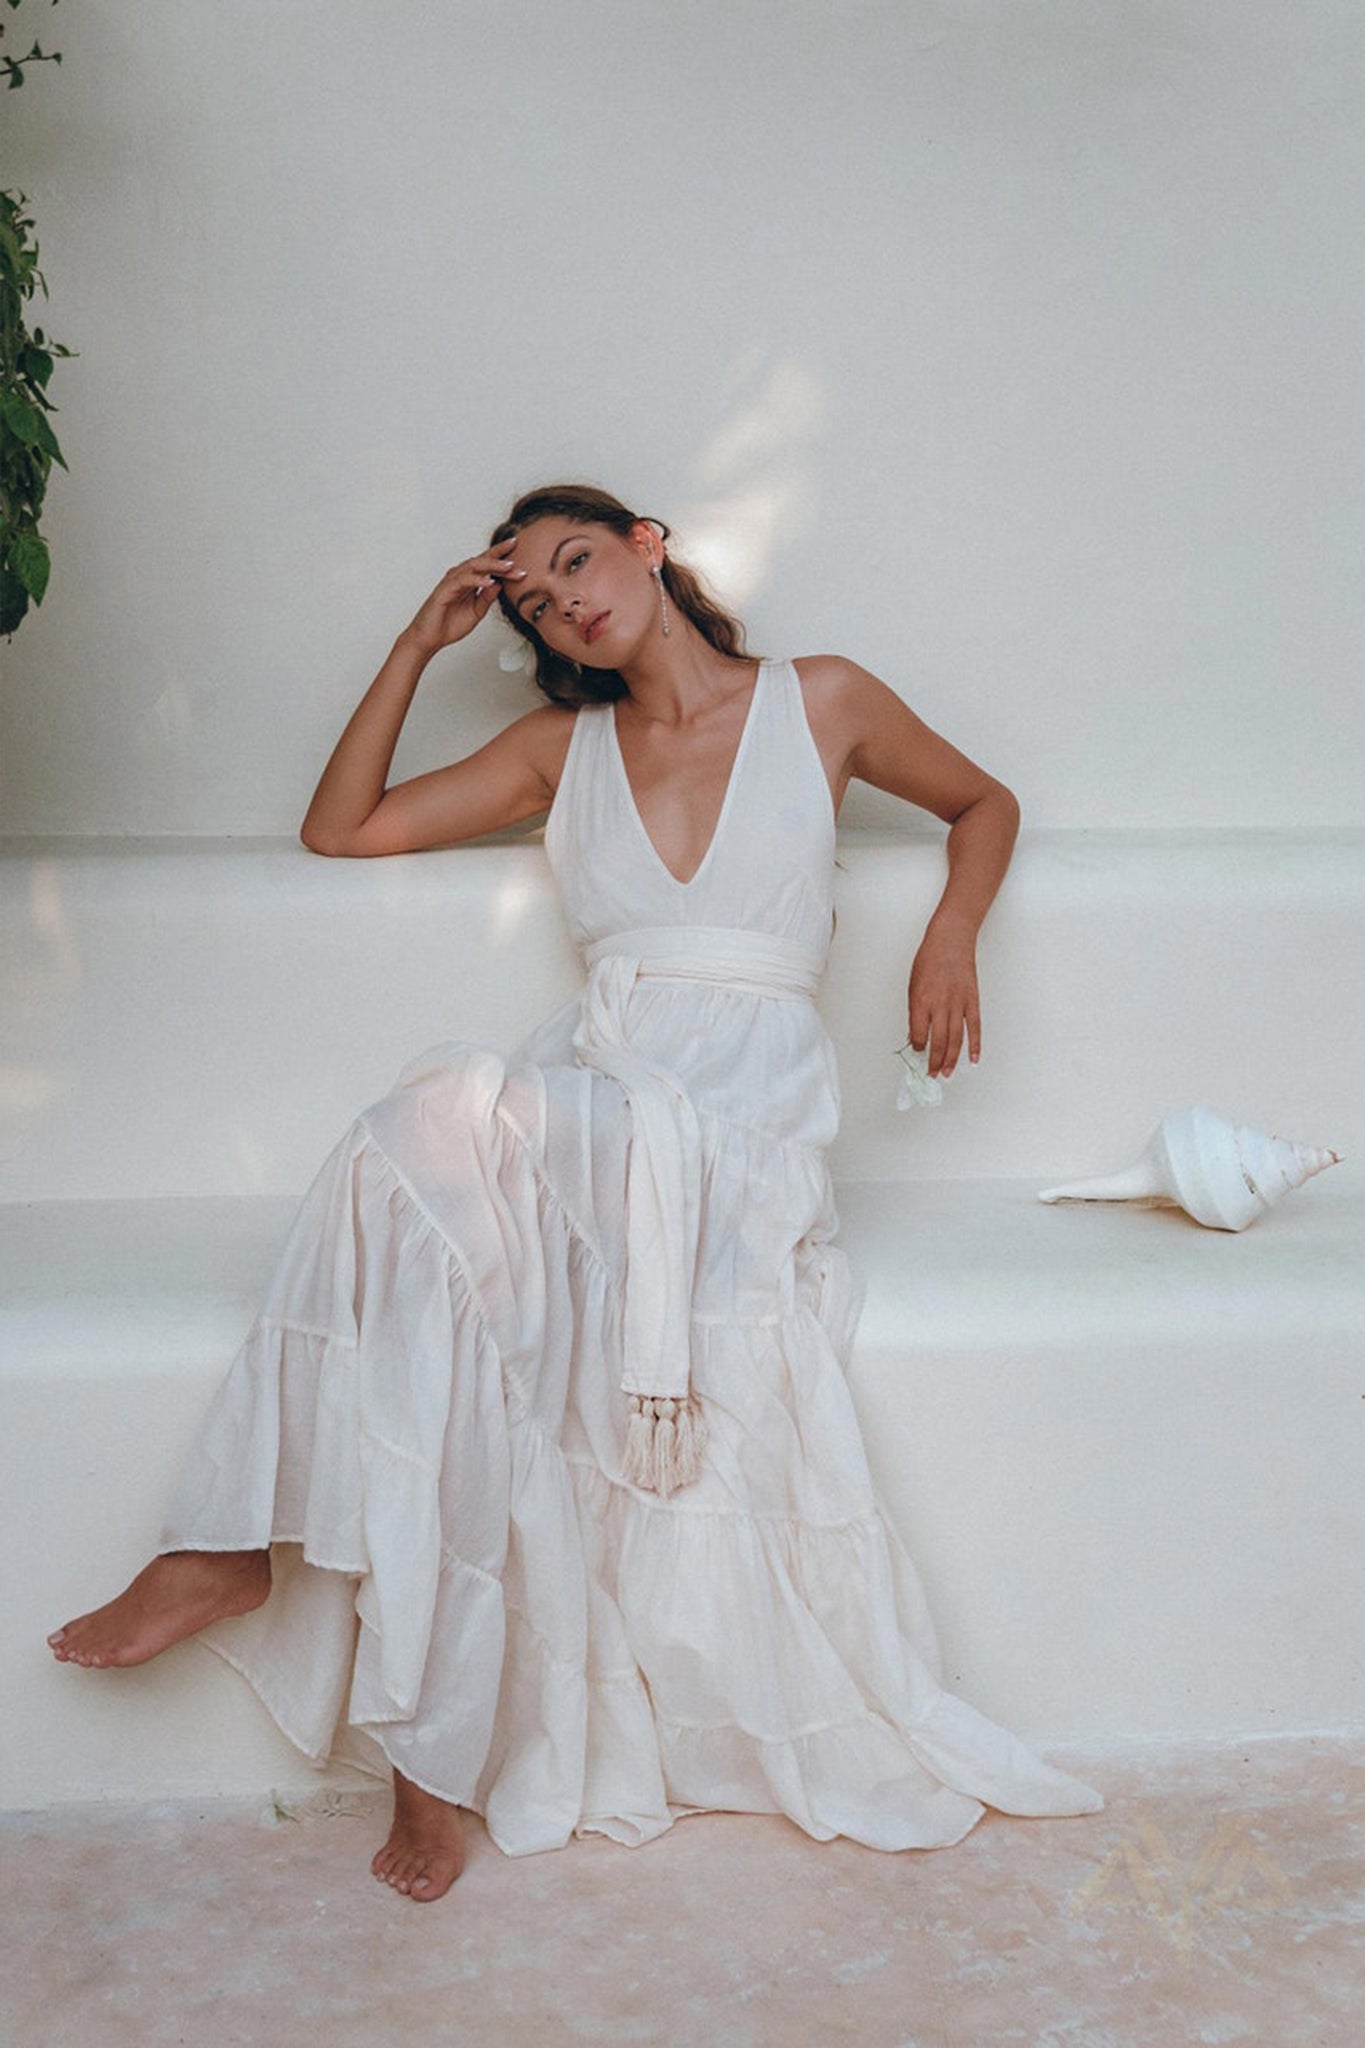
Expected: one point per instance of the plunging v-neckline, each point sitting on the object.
(730, 782)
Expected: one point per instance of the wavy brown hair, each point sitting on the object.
(568, 682)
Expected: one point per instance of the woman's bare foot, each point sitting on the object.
(425, 1851)
(171, 1598)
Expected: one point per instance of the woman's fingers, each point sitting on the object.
(499, 556)
(463, 597)
(479, 570)
(496, 576)
(948, 1038)
(492, 566)
(940, 1027)
(942, 1001)
(933, 1032)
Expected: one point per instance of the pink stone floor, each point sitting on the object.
(1219, 1898)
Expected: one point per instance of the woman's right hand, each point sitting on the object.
(461, 598)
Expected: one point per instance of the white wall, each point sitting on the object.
(1011, 347)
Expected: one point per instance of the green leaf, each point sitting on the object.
(36, 363)
(14, 411)
(31, 563)
(29, 424)
(28, 445)
(13, 600)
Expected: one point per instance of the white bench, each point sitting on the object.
(1124, 1450)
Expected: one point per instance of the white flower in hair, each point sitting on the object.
(918, 1089)
(520, 655)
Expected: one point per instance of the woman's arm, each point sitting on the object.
(511, 778)
(864, 729)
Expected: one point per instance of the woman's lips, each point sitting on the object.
(594, 626)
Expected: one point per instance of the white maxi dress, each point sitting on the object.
(425, 1421)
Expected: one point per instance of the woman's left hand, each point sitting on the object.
(943, 995)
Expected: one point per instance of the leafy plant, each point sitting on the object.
(28, 446)
(15, 65)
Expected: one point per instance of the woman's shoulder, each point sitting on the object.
(548, 726)
(539, 739)
(834, 687)
(826, 672)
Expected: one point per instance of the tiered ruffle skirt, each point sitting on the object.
(425, 1422)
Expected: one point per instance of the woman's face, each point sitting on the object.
(584, 579)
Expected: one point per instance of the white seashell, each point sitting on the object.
(1223, 1174)
(520, 656)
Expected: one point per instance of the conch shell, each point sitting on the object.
(1222, 1174)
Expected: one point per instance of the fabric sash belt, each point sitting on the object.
(663, 1181)
(755, 963)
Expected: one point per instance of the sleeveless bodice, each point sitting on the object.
(699, 1004)
(769, 866)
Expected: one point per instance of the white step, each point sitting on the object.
(1127, 1449)
(203, 1017)
(1124, 1450)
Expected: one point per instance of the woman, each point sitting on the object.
(537, 1481)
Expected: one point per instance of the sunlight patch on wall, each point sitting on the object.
(25, 1090)
(757, 478)
(253, 1160)
(50, 964)
(171, 708)
(513, 900)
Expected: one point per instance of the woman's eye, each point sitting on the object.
(574, 561)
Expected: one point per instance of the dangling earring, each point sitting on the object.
(658, 574)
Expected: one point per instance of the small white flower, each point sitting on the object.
(520, 655)
(917, 1089)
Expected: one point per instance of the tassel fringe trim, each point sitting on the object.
(664, 1443)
